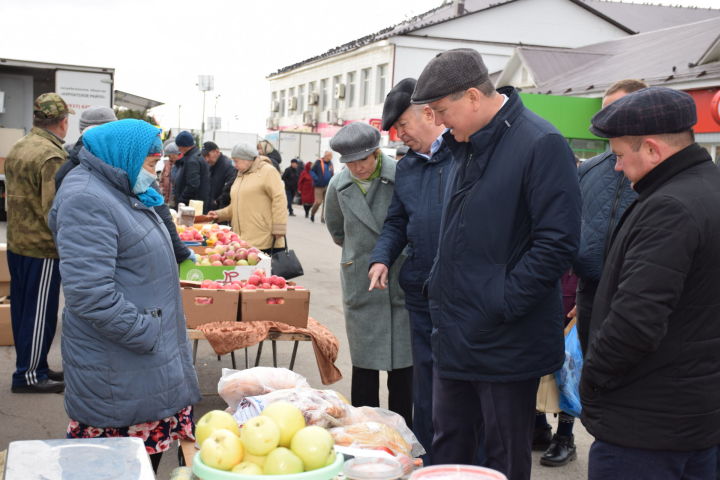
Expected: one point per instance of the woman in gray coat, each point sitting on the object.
(126, 355)
(376, 321)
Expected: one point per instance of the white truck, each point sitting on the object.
(21, 81)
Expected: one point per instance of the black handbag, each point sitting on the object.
(284, 262)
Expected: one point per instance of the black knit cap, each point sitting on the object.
(650, 111)
(450, 72)
(397, 101)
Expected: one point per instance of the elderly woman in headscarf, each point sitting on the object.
(265, 148)
(258, 206)
(126, 355)
(377, 323)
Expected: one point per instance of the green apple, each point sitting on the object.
(256, 459)
(213, 420)
(247, 468)
(260, 435)
(282, 461)
(222, 450)
(288, 418)
(331, 458)
(313, 445)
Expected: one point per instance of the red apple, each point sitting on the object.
(254, 280)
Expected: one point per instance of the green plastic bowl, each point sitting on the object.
(325, 473)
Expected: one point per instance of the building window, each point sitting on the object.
(364, 86)
(291, 96)
(301, 98)
(350, 89)
(336, 99)
(282, 103)
(273, 99)
(324, 94)
(381, 83)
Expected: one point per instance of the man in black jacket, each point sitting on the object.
(222, 175)
(650, 386)
(290, 178)
(193, 179)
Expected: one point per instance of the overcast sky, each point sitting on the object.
(159, 47)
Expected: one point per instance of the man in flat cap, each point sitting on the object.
(510, 229)
(222, 175)
(413, 221)
(650, 387)
(193, 175)
(32, 257)
(377, 324)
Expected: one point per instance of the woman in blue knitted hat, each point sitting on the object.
(126, 355)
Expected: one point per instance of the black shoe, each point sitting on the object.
(560, 452)
(58, 376)
(307, 214)
(291, 214)
(542, 436)
(43, 386)
(312, 218)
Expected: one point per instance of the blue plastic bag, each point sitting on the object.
(568, 377)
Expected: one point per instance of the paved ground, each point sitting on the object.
(42, 416)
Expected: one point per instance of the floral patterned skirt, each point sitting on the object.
(157, 435)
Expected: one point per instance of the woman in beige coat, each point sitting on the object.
(258, 206)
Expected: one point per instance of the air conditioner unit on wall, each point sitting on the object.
(271, 123)
(331, 117)
(313, 98)
(292, 103)
(275, 106)
(309, 118)
(340, 90)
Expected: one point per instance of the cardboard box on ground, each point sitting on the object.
(6, 336)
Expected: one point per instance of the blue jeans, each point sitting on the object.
(624, 463)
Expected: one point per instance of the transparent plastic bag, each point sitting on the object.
(235, 385)
(568, 377)
(359, 415)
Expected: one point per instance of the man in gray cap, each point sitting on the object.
(31, 252)
(511, 225)
(650, 387)
(377, 325)
(413, 221)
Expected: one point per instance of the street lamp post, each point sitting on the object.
(215, 117)
(205, 84)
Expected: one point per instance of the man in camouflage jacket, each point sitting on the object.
(33, 260)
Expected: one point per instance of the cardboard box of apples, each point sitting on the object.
(259, 297)
(214, 262)
(277, 442)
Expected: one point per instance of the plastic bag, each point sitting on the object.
(234, 385)
(568, 377)
(371, 435)
(359, 415)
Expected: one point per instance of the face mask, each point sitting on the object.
(143, 181)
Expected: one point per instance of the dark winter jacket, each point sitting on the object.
(276, 159)
(222, 176)
(322, 172)
(290, 178)
(650, 378)
(181, 251)
(510, 229)
(605, 196)
(413, 220)
(193, 179)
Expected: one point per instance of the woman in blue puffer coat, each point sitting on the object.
(126, 355)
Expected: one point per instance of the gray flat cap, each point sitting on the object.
(650, 111)
(96, 116)
(355, 141)
(450, 72)
(171, 149)
(397, 101)
(244, 151)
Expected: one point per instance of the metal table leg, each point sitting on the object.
(232, 358)
(247, 365)
(294, 353)
(259, 352)
(274, 349)
(195, 347)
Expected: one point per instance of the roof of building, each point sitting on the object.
(644, 17)
(632, 18)
(661, 57)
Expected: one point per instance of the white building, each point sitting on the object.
(349, 82)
